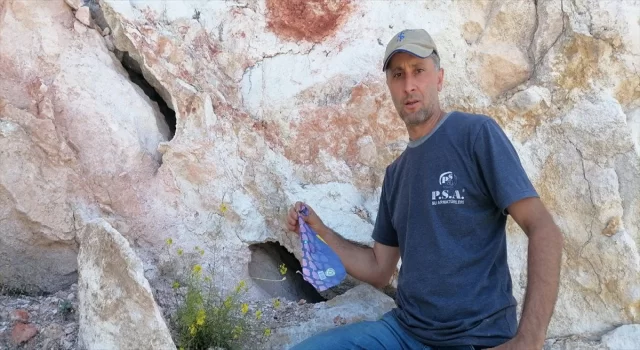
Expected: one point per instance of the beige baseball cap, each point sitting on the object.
(414, 41)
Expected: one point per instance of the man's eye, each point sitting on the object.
(420, 70)
(396, 75)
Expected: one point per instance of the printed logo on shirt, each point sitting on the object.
(448, 194)
(448, 180)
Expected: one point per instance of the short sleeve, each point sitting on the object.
(499, 165)
(383, 231)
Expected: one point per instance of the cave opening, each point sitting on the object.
(135, 75)
(265, 270)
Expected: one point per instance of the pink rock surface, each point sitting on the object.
(275, 103)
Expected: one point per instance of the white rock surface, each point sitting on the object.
(116, 305)
(35, 204)
(362, 303)
(273, 106)
(84, 15)
(624, 337)
(51, 162)
(75, 4)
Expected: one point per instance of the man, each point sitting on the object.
(443, 210)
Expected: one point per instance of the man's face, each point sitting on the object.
(414, 84)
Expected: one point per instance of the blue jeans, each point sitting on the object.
(385, 334)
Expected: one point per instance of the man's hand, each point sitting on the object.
(313, 220)
(371, 265)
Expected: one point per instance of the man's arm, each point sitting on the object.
(371, 265)
(543, 272)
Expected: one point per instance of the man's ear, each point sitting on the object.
(440, 79)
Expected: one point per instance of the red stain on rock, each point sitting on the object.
(203, 43)
(349, 129)
(20, 315)
(22, 332)
(311, 20)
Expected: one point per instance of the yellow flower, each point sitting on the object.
(176, 285)
(245, 308)
(169, 241)
(207, 279)
(267, 332)
(258, 315)
(201, 252)
(223, 208)
(240, 286)
(276, 303)
(197, 269)
(227, 302)
(200, 317)
(192, 329)
(283, 269)
(180, 251)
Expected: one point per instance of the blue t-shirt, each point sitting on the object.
(444, 202)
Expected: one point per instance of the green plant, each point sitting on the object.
(206, 317)
(66, 309)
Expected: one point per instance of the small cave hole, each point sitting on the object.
(135, 74)
(264, 268)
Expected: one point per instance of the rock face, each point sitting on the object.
(35, 207)
(623, 337)
(276, 102)
(362, 303)
(116, 306)
(73, 131)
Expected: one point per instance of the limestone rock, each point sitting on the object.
(472, 31)
(552, 24)
(574, 343)
(633, 119)
(84, 15)
(75, 4)
(362, 303)
(530, 99)
(273, 104)
(109, 43)
(502, 67)
(79, 27)
(501, 53)
(116, 306)
(35, 207)
(623, 337)
(48, 154)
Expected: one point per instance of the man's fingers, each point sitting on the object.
(292, 218)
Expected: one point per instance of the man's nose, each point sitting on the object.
(409, 83)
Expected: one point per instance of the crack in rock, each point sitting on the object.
(544, 53)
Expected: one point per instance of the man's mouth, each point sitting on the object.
(411, 103)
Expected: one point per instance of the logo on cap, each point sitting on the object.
(401, 36)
